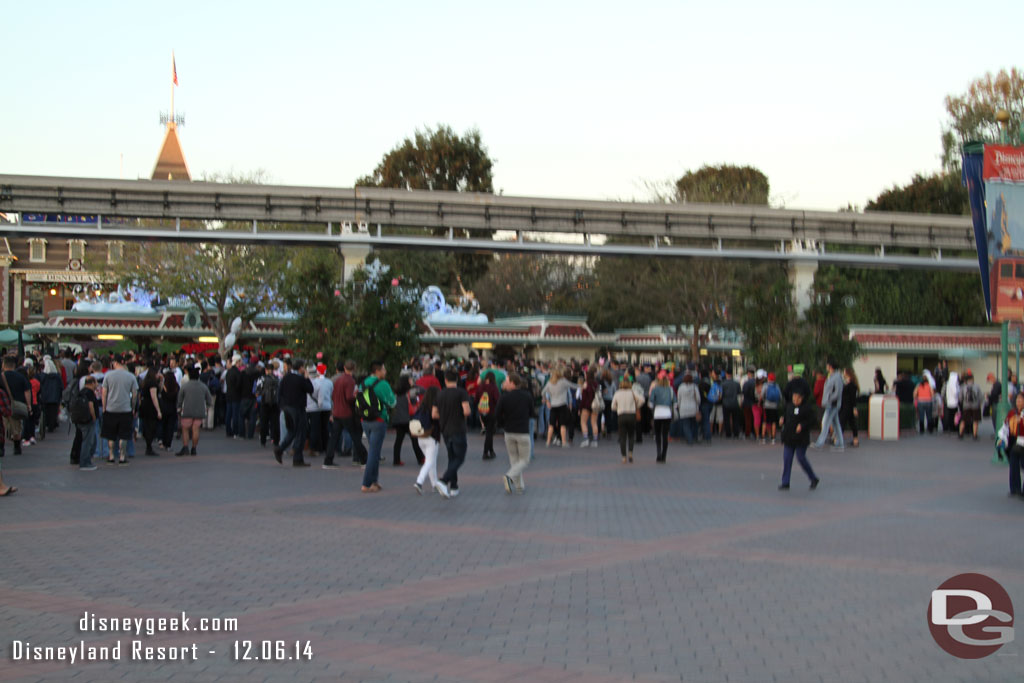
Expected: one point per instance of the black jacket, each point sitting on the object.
(294, 388)
(804, 416)
(515, 408)
(233, 382)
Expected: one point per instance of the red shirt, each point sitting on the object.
(819, 390)
(343, 396)
(427, 381)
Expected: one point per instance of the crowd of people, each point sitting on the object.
(341, 415)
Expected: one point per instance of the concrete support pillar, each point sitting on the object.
(355, 257)
(5, 289)
(801, 277)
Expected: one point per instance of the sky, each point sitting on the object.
(834, 102)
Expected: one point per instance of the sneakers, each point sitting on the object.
(416, 485)
(509, 484)
(814, 483)
(442, 490)
(453, 492)
(838, 449)
(88, 468)
(593, 444)
(585, 443)
(330, 466)
(783, 487)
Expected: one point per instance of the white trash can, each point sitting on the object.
(884, 418)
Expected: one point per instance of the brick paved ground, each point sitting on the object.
(695, 570)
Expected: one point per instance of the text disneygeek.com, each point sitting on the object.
(136, 649)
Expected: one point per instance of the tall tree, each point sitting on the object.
(310, 286)
(972, 114)
(520, 284)
(941, 193)
(436, 159)
(384, 319)
(724, 184)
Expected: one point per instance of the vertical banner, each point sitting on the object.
(1003, 176)
(973, 163)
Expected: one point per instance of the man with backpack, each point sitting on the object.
(772, 399)
(269, 387)
(971, 399)
(373, 401)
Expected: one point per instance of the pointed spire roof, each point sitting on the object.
(170, 165)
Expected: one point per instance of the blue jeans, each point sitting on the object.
(89, 432)
(233, 419)
(787, 462)
(831, 419)
(247, 418)
(456, 446)
(705, 420)
(689, 429)
(924, 415)
(543, 418)
(375, 432)
(533, 425)
(102, 448)
(296, 433)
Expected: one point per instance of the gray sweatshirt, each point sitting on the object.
(193, 399)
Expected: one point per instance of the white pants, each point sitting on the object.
(429, 448)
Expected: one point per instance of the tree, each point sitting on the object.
(230, 280)
(527, 283)
(766, 315)
(941, 193)
(384, 318)
(436, 159)
(725, 184)
(311, 289)
(972, 115)
(828, 320)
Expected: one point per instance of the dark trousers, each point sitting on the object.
(50, 412)
(705, 421)
(848, 421)
(270, 424)
(787, 462)
(232, 421)
(76, 446)
(220, 409)
(1016, 456)
(295, 421)
(748, 419)
(456, 446)
(355, 433)
(732, 417)
(316, 444)
(149, 431)
(627, 432)
(489, 428)
(400, 431)
(247, 417)
(168, 425)
(661, 437)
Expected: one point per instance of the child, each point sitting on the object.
(796, 435)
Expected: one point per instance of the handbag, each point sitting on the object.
(662, 412)
(416, 428)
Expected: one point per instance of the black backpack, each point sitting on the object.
(79, 409)
(368, 403)
(268, 392)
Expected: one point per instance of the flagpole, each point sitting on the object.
(170, 123)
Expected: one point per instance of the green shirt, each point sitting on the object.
(384, 393)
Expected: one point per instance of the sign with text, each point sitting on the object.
(1003, 176)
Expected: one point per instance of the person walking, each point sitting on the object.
(429, 438)
(344, 422)
(662, 401)
(233, 398)
(733, 414)
(591, 406)
(772, 398)
(168, 395)
(90, 427)
(556, 397)
(624, 405)
(971, 398)
(295, 387)
(400, 418)
(376, 401)
(50, 389)
(513, 413)
(193, 401)
(796, 424)
(486, 399)
(269, 411)
(453, 408)
(831, 402)
(149, 407)
(848, 414)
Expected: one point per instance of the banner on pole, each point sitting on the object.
(1003, 176)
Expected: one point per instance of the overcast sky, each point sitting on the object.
(833, 101)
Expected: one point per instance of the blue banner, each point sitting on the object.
(973, 167)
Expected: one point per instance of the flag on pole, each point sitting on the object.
(174, 69)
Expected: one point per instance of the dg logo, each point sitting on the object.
(970, 616)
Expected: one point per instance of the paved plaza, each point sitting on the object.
(697, 570)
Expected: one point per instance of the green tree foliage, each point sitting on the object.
(310, 287)
(523, 284)
(436, 159)
(972, 115)
(827, 320)
(764, 312)
(941, 193)
(725, 184)
(384, 319)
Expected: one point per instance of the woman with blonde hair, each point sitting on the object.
(556, 397)
(625, 406)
